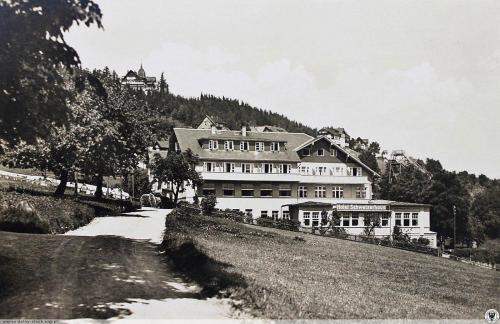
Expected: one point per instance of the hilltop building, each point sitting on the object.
(294, 176)
(337, 135)
(212, 122)
(139, 81)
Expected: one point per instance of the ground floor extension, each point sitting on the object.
(412, 219)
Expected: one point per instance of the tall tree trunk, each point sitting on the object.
(176, 193)
(61, 188)
(98, 191)
(75, 175)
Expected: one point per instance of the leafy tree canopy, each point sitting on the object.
(32, 53)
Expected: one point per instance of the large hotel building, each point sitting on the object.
(294, 176)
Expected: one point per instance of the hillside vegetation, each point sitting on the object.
(282, 274)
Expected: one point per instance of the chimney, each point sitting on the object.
(214, 129)
(243, 130)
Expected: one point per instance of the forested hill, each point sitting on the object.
(175, 110)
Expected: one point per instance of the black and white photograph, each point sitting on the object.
(249, 161)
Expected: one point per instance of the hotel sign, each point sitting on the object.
(362, 207)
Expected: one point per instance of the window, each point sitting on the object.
(321, 170)
(315, 219)
(356, 172)
(321, 152)
(304, 169)
(385, 220)
(244, 146)
(275, 214)
(355, 220)
(398, 219)
(302, 192)
(307, 218)
(320, 192)
(333, 152)
(414, 219)
(247, 192)
(361, 192)
(208, 167)
(275, 146)
(213, 145)
(338, 192)
(263, 213)
(285, 192)
(228, 190)
(266, 192)
(286, 214)
(229, 145)
(228, 167)
(249, 212)
(267, 167)
(259, 146)
(345, 220)
(207, 191)
(284, 168)
(306, 152)
(406, 219)
(246, 167)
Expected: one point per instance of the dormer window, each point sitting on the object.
(244, 146)
(321, 152)
(213, 145)
(259, 146)
(275, 147)
(228, 145)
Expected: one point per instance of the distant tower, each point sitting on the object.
(141, 72)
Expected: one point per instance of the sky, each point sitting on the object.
(423, 76)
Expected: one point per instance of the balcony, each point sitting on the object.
(326, 178)
(240, 176)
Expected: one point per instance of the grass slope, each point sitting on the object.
(295, 275)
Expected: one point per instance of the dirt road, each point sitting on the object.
(89, 276)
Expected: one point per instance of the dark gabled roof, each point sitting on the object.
(164, 144)
(268, 128)
(338, 147)
(131, 73)
(216, 120)
(335, 131)
(190, 138)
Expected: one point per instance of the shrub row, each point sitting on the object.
(479, 255)
(41, 214)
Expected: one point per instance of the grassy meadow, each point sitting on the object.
(282, 274)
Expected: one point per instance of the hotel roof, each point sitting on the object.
(190, 138)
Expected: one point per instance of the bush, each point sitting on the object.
(265, 222)
(42, 214)
(489, 256)
(23, 218)
(208, 204)
(421, 241)
(149, 200)
(287, 224)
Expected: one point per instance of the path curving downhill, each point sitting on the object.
(110, 268)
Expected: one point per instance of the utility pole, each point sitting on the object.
(454, 228)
